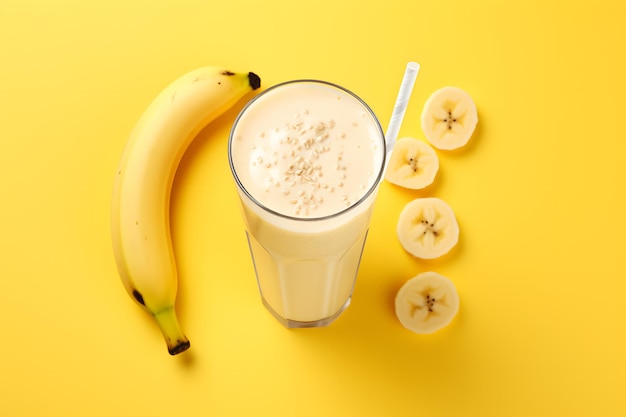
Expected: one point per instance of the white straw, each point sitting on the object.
(402, 101)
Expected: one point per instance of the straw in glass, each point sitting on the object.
(402, 101)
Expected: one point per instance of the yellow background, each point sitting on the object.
(538, 193)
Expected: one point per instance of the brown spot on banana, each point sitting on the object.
(137, 296)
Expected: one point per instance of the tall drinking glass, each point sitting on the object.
(307, 157)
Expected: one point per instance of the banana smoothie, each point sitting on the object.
(307, 157)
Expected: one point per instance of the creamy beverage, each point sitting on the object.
(307, 157)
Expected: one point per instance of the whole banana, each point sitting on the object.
(140, 224)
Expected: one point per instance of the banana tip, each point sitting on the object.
(179, 347)
(255, 80)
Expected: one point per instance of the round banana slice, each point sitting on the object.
(427, 303)
(427, 228)
(413, 164)
(449, 118)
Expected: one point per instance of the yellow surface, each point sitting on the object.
(539, 195)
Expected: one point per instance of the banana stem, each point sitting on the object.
(176, 340)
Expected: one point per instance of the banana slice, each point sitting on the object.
(449, 118)
(427, 303)
(427, 228)
(413, 164)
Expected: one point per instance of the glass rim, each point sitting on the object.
(360, 201)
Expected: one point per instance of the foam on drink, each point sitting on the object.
(311, 154)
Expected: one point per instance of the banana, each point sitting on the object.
(427, 228)
(140, 226)
(413, 164)
(449, 118)
(426, 303)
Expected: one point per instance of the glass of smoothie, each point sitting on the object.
(307, 157)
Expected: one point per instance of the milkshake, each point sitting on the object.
(307, 157)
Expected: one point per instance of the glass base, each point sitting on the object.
(293, 324)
